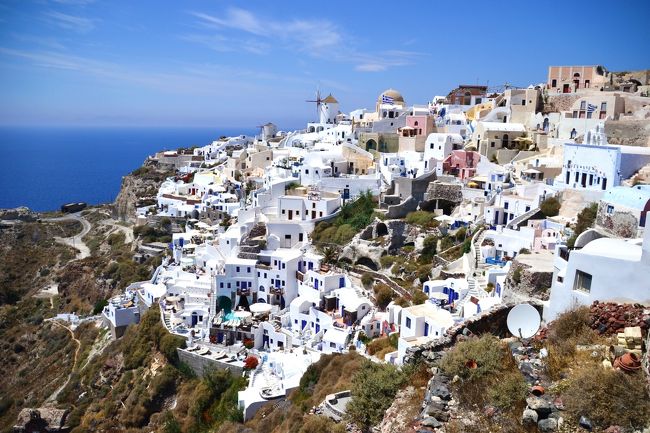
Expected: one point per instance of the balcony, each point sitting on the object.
(276, 290)
(246, 291)
(300, 276)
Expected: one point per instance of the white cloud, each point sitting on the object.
(315, 37)
(70, 22)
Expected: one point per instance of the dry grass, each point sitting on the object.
(608, 397)
(565, 333)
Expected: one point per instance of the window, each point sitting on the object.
(553, 83)
(610, 209)
(582, 281)
(603, 106)
(523, 102)
(332, 344)
(299, 237)
(408, 322)
(583, 105)
(237, 268)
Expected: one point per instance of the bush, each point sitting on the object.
(383, 295)
(99, 306)
(419, 297)
(487, 351)
(550, 207)
(367, 279)
(373, 389)
(516, 275)
(524, 251)
(422, 218)
(508, 390)
(608, 397)
(387, 261)
(564, 333)
(429, 247)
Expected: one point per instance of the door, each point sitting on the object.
(290, 214)
(313, 214)
(566, 89)
(303, 324)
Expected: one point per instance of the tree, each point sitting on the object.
(550, 207)
(419, 297)
(586, 219)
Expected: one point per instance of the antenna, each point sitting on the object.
(318, 101)
(523, 321)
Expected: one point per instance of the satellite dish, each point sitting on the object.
(523, 321)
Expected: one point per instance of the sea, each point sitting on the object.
(45, 167)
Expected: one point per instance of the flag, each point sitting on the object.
(591, 108)
(387, 99)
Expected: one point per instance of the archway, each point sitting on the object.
(382, 230)
(371, 144)
(224, 303)
(243, 303)
(545, 124)
(365, 261)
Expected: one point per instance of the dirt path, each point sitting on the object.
(128, 231)
(76, 241)
(56, 393)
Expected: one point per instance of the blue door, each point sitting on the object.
(426, 329)
(317, 328)
(304, 323)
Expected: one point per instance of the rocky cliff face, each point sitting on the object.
(139, 188)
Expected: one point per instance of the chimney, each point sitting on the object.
(645, 247)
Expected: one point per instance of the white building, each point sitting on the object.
(604, 269)
(121, 312)
(419, 324)
(597, 165)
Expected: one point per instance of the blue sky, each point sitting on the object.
(236, 64)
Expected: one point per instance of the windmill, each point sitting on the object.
(318, 101)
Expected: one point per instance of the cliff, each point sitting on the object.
(139, 188)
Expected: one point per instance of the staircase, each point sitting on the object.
(250, 246)
(515, 222)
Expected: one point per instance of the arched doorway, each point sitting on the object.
(371, 144)
(382, 230)
(225, 304)
(545, 124)
(243, 303)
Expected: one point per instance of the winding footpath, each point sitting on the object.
(56, 393)
(76, 241)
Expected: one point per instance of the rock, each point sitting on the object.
(437, 410)
(529, 417)
(613, 429)
(431, 422)
(539, 405)
(441, 391)
(547, 425)
(585, 423)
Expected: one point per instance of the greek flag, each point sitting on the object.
(387, 99)
(591, 108)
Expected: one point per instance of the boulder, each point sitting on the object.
(547, 425)
(440, 390)
(431, 422)
(539, 405)
(529, 417)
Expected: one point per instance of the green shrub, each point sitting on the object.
(487, 351)
(419, 297)
(373, 389)
(99, 306)
(367, 279)
(516, 275)
(422, 218)
(508, 390)
(550, 207)
(524, 251)
(585, 220)
(387, 261)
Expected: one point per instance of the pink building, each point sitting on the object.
(422, 124)
(461, 163)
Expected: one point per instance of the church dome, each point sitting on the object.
(391, 93)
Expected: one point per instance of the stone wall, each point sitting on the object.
(492, 321)
(623, 224)
(200, 364)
